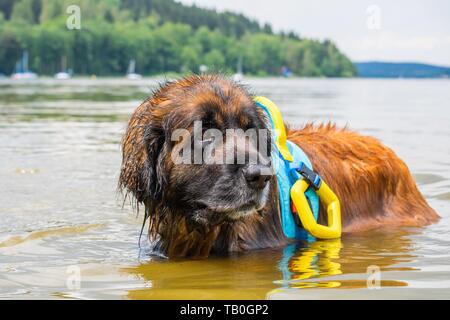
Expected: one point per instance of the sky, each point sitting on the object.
(382, 30)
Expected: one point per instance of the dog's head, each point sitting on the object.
(198, 147)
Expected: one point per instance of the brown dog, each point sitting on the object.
(194, 209)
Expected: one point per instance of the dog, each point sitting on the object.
(195, 209)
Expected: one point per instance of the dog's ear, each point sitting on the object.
(153, 174)
(143, 173)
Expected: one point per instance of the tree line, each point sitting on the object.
(160, 35)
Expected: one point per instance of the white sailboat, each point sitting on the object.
(22, 71)
(238, 76)
(131, 74)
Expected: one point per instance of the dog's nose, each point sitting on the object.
(256, 176)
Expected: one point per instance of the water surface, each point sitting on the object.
(59, 209)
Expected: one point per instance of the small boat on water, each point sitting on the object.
(22, 71)
(24, 75)
(131, 72)
(64, 74)
(238, 76)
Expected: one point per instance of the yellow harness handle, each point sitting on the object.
(330, 202)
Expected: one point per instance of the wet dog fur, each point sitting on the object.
(198, 209)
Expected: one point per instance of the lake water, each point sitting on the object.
(60, 214)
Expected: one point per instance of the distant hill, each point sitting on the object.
(400, 70)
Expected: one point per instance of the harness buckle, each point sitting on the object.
(312, 177)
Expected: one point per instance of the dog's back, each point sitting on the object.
(374, 185)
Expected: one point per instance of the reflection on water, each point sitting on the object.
(33, 235)
(299, 266)
(305, 267)
(59, 207)
(315, 260)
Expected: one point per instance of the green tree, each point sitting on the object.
(161, 35)
(23, 11)
(214, 60)
(10, 51)
(6, 7)
(190, 57)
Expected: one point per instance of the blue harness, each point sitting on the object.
(287, 174)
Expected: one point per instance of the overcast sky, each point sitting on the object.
(386, 30)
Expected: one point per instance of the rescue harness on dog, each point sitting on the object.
(299, 187)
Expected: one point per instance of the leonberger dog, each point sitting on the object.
(195, 209)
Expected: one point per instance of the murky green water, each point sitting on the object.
(60, 213)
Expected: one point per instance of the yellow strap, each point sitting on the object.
(280, 131)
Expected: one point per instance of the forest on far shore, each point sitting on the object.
(160, 35)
